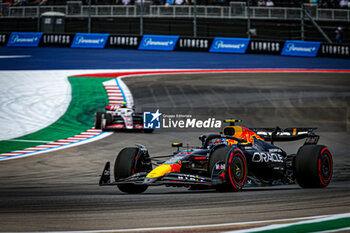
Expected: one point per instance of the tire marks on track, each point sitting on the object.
(115, 90)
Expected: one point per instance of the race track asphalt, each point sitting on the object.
(58, 191)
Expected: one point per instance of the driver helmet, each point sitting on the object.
(123, 105)
(216, 141)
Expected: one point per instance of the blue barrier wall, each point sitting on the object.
(86, 40)
(24, 39)
(229, 45)
(301, 48)
(171, 43)
(152, 42)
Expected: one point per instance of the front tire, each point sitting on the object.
(235, 168)
(98, 119)
(313, 166)
(109, 119)
(128, 162)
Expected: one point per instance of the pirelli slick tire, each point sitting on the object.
(98, 119)
(313, 166)
(126, 164)
(236, 169)
(109, 118)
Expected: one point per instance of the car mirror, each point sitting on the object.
(176, 144)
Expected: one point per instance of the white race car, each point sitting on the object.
(120, 117)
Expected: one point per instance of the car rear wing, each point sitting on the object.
(289, 134)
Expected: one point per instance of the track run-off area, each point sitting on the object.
(88, 94)
(58, 191)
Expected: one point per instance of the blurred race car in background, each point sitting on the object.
(120, 117)
(226, 162)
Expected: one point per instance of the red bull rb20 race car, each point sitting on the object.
(120, 117)
(227, 161)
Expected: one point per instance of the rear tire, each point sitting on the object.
(235, 168)
(128, 162)
(313, 166)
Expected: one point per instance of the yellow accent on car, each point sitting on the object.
(294, 131)
(160, 171)
(232, 120)
(244, 143)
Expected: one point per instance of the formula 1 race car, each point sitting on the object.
(226, 162)
(120, 117)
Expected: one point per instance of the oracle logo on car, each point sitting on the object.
(261, 157)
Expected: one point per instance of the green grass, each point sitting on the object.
(88, 97)
(313, 227)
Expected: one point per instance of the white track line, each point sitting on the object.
(278, 226)
(346, 229)
(15, 56)
(150, 229)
